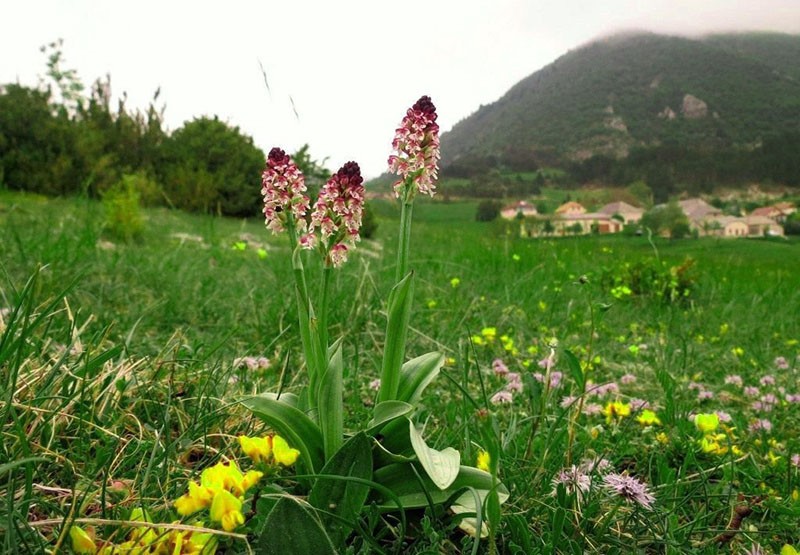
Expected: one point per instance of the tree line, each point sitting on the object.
(59, 139)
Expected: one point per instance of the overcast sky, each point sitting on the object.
(351, 67)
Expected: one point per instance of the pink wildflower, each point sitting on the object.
(704, 394)
(627, 379)
(416, 146)
(723, 416)
(734, 379)
(761, 425)
(630, 489)
(795, 460)
(375, 384)
(575, 480)
(591, 409)
(751, 391)
(282, 186)
(567, 401)
(639, 404)
(338, 211)
(502, 397)
(767, 380)
(781, 363)
(499, 367)
(514, 384)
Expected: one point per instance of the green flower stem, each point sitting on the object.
(405, 239)
(307, 321)
(399, 306)
(327, 271)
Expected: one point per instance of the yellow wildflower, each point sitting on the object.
(483, 461)
(431, 304)
(489, 333)
(706, 422)
(616, 410)
(199, 497)
(477, 340)
(648, 418)
(282, 453)
(788, 550)
(773, 458)
(455, 282)
(662, 438)
(227, 510)
(82, 542)
(258, 449)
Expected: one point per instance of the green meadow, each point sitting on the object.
(122, 364)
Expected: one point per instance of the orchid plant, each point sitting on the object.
(385, 463)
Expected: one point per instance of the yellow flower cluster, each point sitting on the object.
(615, 411)
(145, 540)
(269, 448)
(717, 443)
(484, 460)
(221, 489)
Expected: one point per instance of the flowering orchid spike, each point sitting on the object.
(416, 151)
(283, 187)
(338, 212)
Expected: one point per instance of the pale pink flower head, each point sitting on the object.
(338, 211)
(767, 380)
(502, 397)
(630, 489)
(416, 151)
(283, 187)
(627, 379)
(761, 425)
(734, 379)
(575, 481)
(499, 367)
(781, 363)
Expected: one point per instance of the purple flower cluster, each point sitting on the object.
(283, 187)
(630, 489)
(338, 211)
(416, 146)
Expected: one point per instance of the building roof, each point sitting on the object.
(696, 208)
(620, 207)
(765, 211)
(570, 206)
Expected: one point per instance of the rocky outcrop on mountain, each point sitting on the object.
(693, 107)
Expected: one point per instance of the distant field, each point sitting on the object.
(181, 304)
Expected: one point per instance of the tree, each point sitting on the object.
(667, 219)
(487, 211)
(212, 167)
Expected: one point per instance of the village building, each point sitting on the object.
(570, 208)
(630, 214)
(518, 209)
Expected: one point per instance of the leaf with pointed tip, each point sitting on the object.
(387, 411)
(416, 374)
(441, 466)
(399, 315)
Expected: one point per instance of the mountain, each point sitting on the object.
(638, 91)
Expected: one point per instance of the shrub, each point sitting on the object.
(487, 211)
(123, 215)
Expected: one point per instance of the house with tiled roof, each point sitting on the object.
(570, 208)
(518, 209)
(630, 214)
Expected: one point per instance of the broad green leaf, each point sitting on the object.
(341, 498)
(416, 374)
(329, 404)
(297, 428)
(403, 481)
(441, 466)
(398, 316)
(293, 527)
(576, 371)
(387, 411)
